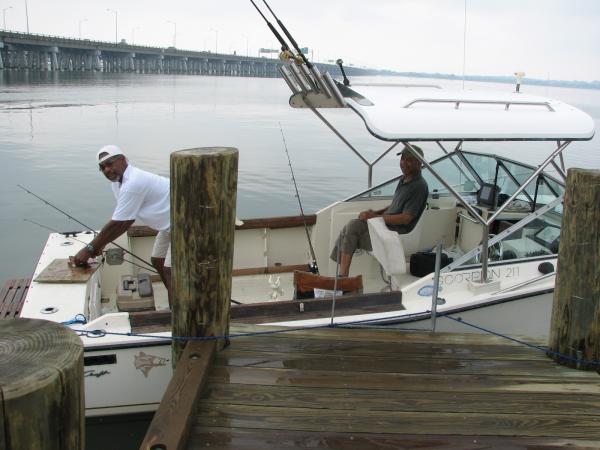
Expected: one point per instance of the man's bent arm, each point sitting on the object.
(111, 231)
(398, 219)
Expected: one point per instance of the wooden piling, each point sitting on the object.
(575, 324)
(203, 199)
(41, 386)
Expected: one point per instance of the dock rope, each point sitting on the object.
(365, 323)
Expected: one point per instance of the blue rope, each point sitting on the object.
(352, 324)
(101, 333)
(541, 348)
(79, 318)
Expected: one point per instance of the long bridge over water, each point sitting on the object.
(24, 51)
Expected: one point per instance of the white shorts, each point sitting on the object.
(162, 246)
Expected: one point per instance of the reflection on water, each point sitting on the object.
(51, 125)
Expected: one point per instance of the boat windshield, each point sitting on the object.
(467, 172)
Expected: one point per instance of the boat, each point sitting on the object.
(496, 220)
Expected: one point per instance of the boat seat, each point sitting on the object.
(391, 249)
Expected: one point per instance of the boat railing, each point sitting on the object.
(503, 235)
(524, 283)
(458, 102)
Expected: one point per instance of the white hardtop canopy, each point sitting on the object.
(395, 113)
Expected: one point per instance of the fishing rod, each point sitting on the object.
(313, 265)
(82, 224)
(74, 233)
(285, 48)
(289, 36)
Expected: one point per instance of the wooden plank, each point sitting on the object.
(342, 363)
(12, 297)
(278, 222)
(381, 400)
(141, 231)
(20, 295)
(6, 298)
(289, 343)
(423, 422)
(420, 382)
(60, 271)
(171, 423)
(300, 309)
(243, 439)
(249, 224)
(268, 270)
(386, 334)
(307, 282)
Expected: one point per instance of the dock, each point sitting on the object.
(12, 297)
(376, 389)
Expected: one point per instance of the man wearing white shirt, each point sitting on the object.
(140, 195)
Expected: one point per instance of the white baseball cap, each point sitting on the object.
(110, 150)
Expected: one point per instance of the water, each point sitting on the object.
(52, 124)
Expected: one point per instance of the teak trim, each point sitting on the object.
(249, 224)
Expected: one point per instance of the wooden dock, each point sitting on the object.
(12, 297)
(375, 389)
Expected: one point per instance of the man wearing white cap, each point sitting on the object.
(140, 195)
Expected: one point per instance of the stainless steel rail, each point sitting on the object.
(457, 102)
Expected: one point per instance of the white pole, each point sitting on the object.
(216, 40)
(464, 46)
(27, 16)
(174, 33)
(4, 16)
(116, 24)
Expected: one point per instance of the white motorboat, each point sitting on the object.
(497, 220)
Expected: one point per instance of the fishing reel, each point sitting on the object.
(288, 56)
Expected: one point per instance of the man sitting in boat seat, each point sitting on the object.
(401, 215)
(140, 195)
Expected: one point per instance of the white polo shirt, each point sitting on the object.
(143, 196)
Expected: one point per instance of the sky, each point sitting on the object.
(546, 39)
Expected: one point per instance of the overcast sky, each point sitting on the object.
(557, 39)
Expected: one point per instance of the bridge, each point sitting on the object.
(24, 51)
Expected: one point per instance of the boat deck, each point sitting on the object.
(12, 297)
(356, 389)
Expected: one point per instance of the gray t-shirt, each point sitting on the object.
(410, 197)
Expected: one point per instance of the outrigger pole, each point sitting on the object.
(82, 224)
(313, 265)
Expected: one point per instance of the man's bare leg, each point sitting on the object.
(165, 274)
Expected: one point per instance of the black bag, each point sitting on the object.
(423, 263)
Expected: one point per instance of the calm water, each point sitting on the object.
(51, 126)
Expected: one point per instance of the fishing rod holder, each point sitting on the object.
(311, 88)
(114, 256)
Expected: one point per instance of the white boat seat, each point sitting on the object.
(391, 248)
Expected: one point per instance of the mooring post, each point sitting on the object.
(203, 199)
(575, 325)
(41, 386)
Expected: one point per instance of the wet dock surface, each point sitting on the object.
(358, 389)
